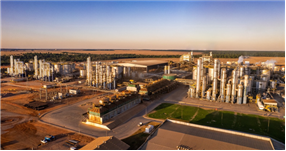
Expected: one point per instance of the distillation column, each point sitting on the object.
(100, 76)
(215, 74)
(88, 71)
(96, 74)
(204, 86)
(233, 92)
(241, 72)
(222, 84)
(49, 71)
(12, 65)
(239, 93)
(40, 68)
(228, 92)
(107, 76)
(198, 77)
(246, 89)
(104, 78)
(36, 66)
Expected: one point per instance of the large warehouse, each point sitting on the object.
(173, 135)
(146, 64)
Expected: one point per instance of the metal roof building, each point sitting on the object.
(148, 64)
(106, 143)
(172, 134)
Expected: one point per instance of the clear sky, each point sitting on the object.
(216, 25)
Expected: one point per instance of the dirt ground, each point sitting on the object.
(14, 101)
(25, 134)
(28, 135)
(142, 52)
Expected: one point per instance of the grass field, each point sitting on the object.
(272, 127)
(139, 137)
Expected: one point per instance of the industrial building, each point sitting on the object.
(112, 106)
(102, 76)
(232, 82)
(174, 135)
(106, 143)
(43, 70)
(146, 65)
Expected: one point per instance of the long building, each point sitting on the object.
(174, 135)
(111, 108)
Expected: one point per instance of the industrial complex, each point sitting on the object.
(108, 101)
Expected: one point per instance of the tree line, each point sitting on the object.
(77, 57)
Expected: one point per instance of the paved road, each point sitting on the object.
(70, 116)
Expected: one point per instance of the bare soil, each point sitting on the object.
(28, 135)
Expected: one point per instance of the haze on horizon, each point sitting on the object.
(195, 25)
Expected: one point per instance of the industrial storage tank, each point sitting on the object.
(169, 76)
(82, 73)
(67, 69)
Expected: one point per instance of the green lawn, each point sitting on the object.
(255, 124)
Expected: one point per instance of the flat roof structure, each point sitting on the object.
(144, 63)
(196, 137)
(106, 143)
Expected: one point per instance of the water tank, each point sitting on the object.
(82, 73)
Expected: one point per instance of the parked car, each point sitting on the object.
(44, 141)
(140, 124)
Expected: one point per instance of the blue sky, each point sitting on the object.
(220, 25)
